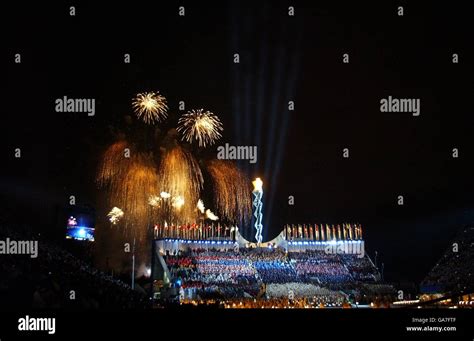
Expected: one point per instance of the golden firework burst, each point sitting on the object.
(115, 215)
(151, 107)
(201, 126)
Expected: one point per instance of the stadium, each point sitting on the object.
(296, 269)
(307, 162)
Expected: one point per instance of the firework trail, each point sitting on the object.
(132, 192)
(232, 192)
(180, 176)
(113, 164)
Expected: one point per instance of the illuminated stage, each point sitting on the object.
(225, 268)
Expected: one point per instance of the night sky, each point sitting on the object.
(282, 58)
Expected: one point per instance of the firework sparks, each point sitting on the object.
(132, 192)
(200, 206)
(232, 195)
(202, 126)
(177, 202)
(180, 175)
(113, 163)
(151, 107)
(154, 201)
(115, 215)
(211, 216)
(165, 195)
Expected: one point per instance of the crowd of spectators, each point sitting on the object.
(318, 266)
(58, 280)
(214, 274)
(454, 271)
(360, 268)
(233, 274)
(297, 290)
(275, 271)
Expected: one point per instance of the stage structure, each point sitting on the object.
(174, 240)
(258, 204)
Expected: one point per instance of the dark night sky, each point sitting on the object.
(300, 152)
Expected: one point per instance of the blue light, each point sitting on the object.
(81, 233)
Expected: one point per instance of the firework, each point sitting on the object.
(211, 216)
(133, 190)
(181, 176)
(154, 201)
(232, 195)
(201, 126)
(177, 202)
(200, 206)
(115, 215)
(151, 107)
(113, 163)
(165, 195)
